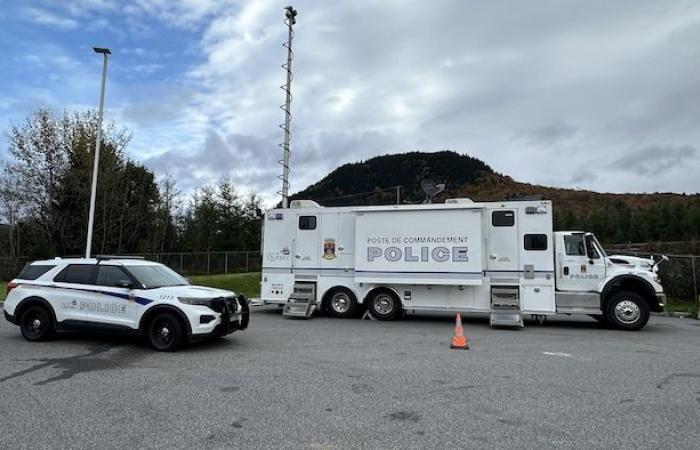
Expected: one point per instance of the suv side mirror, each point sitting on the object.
(125, 284)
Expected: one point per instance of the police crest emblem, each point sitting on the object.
(329, 249)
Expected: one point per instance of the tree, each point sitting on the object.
(51, 164)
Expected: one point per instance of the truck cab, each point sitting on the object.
(614, 290)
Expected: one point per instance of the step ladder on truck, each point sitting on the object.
(498, 258)
(302, 302)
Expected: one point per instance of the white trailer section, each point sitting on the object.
(500, 258)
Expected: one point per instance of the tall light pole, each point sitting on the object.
(93, 192)
(290, 15)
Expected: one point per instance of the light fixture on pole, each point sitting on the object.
(93, 191)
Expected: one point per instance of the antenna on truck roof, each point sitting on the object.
(290, 15)
(431, 189)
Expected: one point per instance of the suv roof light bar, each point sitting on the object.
(108, 257)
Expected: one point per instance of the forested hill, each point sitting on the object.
(616, 218)
(350, 184)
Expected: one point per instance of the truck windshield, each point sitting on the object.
(593, 244)
(156, 276)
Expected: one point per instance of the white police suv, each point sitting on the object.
(120, 293)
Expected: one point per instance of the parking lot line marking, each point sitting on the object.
(562, 354)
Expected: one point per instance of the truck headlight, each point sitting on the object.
(194, 301)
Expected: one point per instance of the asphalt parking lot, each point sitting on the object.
(327, 383)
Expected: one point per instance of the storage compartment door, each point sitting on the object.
(538, 299)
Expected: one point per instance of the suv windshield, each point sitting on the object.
(156, 276)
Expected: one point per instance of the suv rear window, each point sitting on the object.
(32, 272)
(76, 273)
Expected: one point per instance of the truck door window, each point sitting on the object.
(535, 241)
(503, 218)
(307, 222)
(591, 249)
(574, 246)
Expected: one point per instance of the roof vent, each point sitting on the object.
(459, 200)
(301, 204)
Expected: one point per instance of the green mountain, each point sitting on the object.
(615, 218)
(374, 181)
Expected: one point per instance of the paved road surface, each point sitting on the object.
(329, 383)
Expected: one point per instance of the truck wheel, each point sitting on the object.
(384, 305)
(36, 324)
(627, 311)
(165, 333)
(341, 303)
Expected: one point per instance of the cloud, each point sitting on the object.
(543, 92)
(548, 135)
(44, 17)
(656, 159)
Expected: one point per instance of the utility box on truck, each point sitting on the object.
(500, 258)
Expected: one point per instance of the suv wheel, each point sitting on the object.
(36, 324)
(627, 311)
(165, 332)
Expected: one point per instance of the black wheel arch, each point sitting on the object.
(32, 301)
(632, 283)
(148, 315)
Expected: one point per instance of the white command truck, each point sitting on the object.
(499, 258)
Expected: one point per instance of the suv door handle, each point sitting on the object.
(566, 270)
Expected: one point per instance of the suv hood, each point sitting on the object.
(194, 291)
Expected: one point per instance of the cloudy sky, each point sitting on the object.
(601, 95)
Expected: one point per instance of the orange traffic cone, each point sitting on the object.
(459, 340)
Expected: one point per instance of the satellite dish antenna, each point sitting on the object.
(431, 189)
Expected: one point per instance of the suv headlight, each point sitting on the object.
(194, 301)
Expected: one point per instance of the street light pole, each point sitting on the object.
(93, 192)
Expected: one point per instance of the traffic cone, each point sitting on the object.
(459, 340)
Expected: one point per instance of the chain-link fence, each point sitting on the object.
(197, 263)
(209, 263)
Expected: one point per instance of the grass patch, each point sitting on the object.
(247, 284)
(675, 305)
(3, 290)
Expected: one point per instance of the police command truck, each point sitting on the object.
(120, 293)
(500, 258)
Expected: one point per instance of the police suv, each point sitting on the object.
(120, 293)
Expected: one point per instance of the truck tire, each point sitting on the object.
(165, 333)
(626, 310)
(36, 323)
(341, 303)
(383, 304)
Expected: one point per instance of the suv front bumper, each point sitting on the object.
(10, 318)
(227, 325)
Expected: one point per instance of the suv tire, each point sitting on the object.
(36, 323)
(165, 333)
